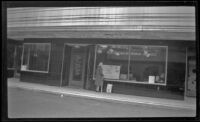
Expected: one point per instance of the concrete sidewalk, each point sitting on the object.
(188, 103)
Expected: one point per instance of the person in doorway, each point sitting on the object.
(99, 77)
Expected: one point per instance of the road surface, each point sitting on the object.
(24, 103)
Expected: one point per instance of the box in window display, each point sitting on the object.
(24, 67)
(123, 76)
(160, 78)
(151, 79)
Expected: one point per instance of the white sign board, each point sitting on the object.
(24, 67)
(151, 79)
(111, 71)
(109, 88)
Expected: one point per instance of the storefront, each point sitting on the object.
(148, 58)
(136, 67)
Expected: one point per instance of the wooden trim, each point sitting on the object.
(62, 67)
(87, 69)
(10, 68)
(94, 68)
(22, 56)
(166, 65)
(129, 58)
(164, 36)
(35, 71)
(186, 73)
(49, 57)
(122, 40)
(134, 82)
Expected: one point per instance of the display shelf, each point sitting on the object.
(133, 81)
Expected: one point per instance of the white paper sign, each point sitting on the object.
(111, 71)
(109, 88)
(151, 79)
(24, 67)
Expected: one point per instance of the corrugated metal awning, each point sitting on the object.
(53, 21)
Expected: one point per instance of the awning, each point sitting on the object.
(173, 23)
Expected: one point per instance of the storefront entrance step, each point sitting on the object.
(103, 96)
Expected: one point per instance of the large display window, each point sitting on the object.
(114, 59)
(36, 57)
(133, 63)
(148, 64)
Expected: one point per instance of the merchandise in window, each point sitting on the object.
(135, 63)
(114, 59)
(148, 64)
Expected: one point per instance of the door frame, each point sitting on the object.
(188, 54)
(83, 62)
(186, 72)
(191, 93)
(63, 60)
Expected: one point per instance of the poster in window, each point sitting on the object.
(111, 71)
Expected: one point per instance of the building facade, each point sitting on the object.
(145, 51)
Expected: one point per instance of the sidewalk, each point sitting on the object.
(188, 103)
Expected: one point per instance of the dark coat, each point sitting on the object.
(99, 76)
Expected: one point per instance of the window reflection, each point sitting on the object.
(114, 56)
(138, 63)
(36, 57)
(147, 62)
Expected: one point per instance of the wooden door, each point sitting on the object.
(191, 80)
(77, 67)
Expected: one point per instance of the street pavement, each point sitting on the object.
(24, 103)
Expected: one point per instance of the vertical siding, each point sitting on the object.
(56, 61)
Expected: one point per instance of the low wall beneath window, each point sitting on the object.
(10, 73)
(41, 78)
(145, 90)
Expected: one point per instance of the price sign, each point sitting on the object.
(111, 71)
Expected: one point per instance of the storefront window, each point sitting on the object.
(135, 63)
(36, 57)
(148, 64)
(114, 59)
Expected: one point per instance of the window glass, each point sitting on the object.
(26, 52)
(36, 57)
(147, 64)
(114, 59)
(136, 63)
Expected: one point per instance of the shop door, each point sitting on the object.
(191, 81)
(77, 67)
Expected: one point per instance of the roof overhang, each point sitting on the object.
(20, 33)
(160, 23)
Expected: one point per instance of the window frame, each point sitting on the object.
(22, 61)
(131, 81)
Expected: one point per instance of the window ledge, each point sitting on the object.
(10, 68)
(134, 81)
(34, 71)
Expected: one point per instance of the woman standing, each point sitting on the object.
(99, 77)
